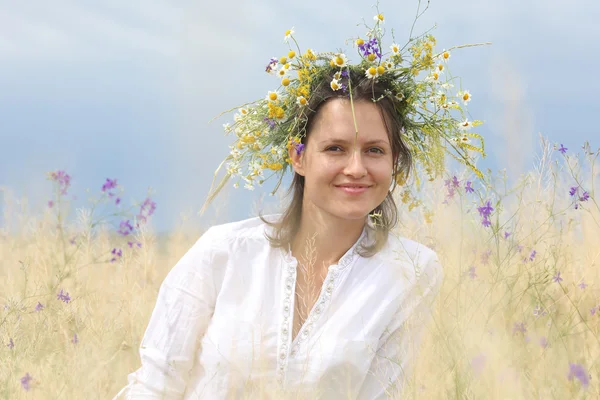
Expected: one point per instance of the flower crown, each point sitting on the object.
(433, 118)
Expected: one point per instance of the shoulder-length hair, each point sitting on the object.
(363, 89)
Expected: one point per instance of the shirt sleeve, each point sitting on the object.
(182, 313)
(399, 345)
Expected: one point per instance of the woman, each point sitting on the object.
(323, 299)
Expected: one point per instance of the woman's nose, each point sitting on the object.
(356, 166)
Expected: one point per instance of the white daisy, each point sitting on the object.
(288, 34)
(465, 96)
(464, 139)
(444, 56)
(272, 96)
(249, 186)
(282, 72)
(371, 73)
(339, 60)
(301, 101)
(335, 85)
(227, 127)
(379, 18)
(236, 185)
(465, 125)
(395, 48)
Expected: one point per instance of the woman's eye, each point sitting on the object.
(378, 150)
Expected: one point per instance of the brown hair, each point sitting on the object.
(363, 89)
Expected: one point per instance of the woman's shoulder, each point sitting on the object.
(408, 251)
(235, 230)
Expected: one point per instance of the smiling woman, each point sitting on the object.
(323, 300)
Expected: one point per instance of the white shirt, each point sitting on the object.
(222, 325)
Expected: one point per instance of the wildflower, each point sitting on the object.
(272, 65)
(572, 191)
(11, 344)
(468, 188)
(63, 179)
(584, 197)
(465, 125)
(270, 122)
(272, 96)
(465, 96)
(484, 212)
(25, 381)
(50, 203)
(339, 60)
(378, 18)
(577, 371)
(506, 234)
(299, 148)
(39, 306)
(130, 244)
(370, 48)
(556, 278)
(485, 256)
(117, 253)
(544, 342)
(288, 34)
(63, 296)
(109, 184)
(472, 273)
(148, 206)
(538, 312)
(519, 327)
(125, 228)
(445, 56)
(562, 149)
(249, 186)
(532, 255)
(583, 285)
(301, 101)
(335, 85)
(75, 340)
(371, 73)
(395, 48)
(593, 310)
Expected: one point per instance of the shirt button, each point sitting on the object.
(282, 355)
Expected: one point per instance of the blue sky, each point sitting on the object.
(125, 90)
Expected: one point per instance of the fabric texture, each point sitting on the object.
(222, 324)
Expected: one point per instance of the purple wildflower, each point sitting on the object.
(25, 381)
(506, 234)
(472, 273)
(270, 122)
(556, 278)
(532, 255)
(50, 204)
(11, 344)
(469, 188)
(563, 149)
(109, 184)
(299, 148)
(63, 179)
(117, 254)
(572, 191)
(583, 285)
(593, 311)
(148, 206)
(370, 47)
(584, 197)
(577, 371)
(484, 212)
(538, 312)
(485, 256)
(75, 340)
(272, 64)
(544, 342)
(63, 296)
(125, 228)
(39, 306)
(118, 200)
(519, 327)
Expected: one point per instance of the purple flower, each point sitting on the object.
(25, 381)
(532, 255)
(345, 73)
(270, 122)
(299, 148)
(485, 256)
(11, 344)
(63, 179)
(544, 342)
(125, 228)
(50, 204)
(506, 234)
(272, 64)
(563, 149)
(486, 222)
(118, 200)
(519, 327)
(472, 273)
(148, 207)
(75, 340)
(537, 311)
(63, 296)
(484, 212)
(577, 371)
(593, 310)
(468, 187)
(117, 254)
(584, 197)
(583, 285)
(109, 184)
(572, 191)
(556, 278)
(39, 306)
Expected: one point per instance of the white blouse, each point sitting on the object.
(222, 325)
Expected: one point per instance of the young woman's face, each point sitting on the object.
(334, 157)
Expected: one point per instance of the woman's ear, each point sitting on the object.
(297, 159)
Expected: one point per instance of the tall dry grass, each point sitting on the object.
(518, 315)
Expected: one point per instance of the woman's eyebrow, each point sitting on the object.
(368, 142)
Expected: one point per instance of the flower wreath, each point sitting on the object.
(434, 120)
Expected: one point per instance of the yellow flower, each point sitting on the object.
(440, 67)
(427, 215)
(371, 57)
(337, 75)
(360, 42)
(287, 66)
(283, 60)
(288, 34)
(291, 54)
(301, 101)
(395, 48)
(310, 55)
(445, 55)
(285, 81)
(335, 85)
(378, 18)
(380, 70)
